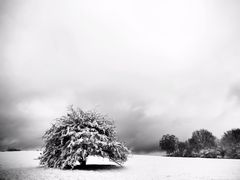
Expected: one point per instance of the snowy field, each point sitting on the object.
(24, 165)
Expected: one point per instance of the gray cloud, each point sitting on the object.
(16, 130)
(168, 70)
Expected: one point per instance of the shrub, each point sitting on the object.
(74, 137)
(210, 153)
(180, 150)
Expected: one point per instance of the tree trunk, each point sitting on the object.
(83, 163)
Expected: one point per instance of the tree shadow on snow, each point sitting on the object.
(98, 167)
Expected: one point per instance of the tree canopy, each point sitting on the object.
(77, 135)
(202, 139)
(231, 143)
(168, 143)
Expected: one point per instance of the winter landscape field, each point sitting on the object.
(24, 165)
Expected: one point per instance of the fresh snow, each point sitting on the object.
(24, 165)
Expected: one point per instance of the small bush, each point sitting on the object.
(210, 153)
(181, 150)
(233, 152)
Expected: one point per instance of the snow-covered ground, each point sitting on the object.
(24, 165)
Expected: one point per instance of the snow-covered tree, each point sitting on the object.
(77, 135)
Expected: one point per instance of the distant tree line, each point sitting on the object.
(203, 144)
(13, 149)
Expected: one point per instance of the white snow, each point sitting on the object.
(24, 165)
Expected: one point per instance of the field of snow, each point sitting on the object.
(24, 165)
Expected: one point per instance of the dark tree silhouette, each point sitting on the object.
(74, 137)
(181, 149)
(230, 143)
(202, 139)
(169, 143)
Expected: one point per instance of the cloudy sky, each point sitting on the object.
(154, 66)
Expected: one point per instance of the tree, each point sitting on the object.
(202, 139)
(168, 143)
(230, 143)
(181, 149)
(74, 137)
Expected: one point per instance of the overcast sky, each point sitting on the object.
(154, 66)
